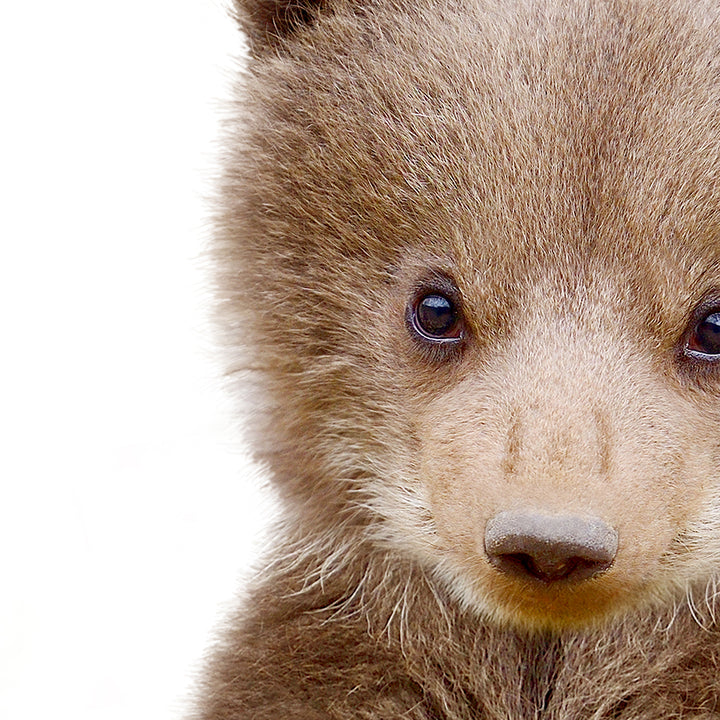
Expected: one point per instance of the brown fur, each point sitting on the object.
(558, 161)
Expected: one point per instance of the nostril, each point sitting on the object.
(549, 569)
(550, 548)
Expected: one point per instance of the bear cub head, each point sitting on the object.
(471, 251)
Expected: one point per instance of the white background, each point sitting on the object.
(127, 508)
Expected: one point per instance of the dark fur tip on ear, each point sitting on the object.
(266, 22)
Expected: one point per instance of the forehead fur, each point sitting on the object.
(551, 124)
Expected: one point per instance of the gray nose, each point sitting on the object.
(550, 547)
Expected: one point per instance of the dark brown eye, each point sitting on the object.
(704, 341)
(436, 318)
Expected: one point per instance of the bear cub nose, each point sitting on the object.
(550, 548)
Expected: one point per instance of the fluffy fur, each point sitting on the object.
(557, 162)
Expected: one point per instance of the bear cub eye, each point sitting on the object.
(704, 342)
(436, 318)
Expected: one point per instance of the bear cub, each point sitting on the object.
(468, 261)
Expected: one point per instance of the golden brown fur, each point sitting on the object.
(556, 163)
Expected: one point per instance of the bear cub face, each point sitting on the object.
(484, 292)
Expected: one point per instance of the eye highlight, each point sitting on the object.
(704, 339)
(435, 318)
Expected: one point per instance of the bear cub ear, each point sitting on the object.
(268, 22)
